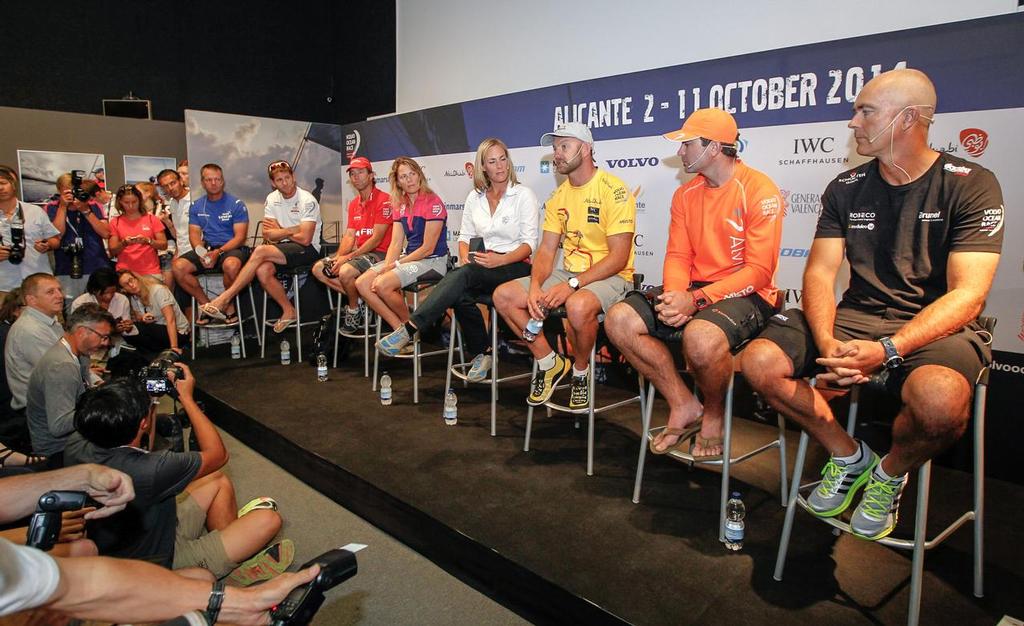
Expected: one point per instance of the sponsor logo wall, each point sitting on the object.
(792, 107)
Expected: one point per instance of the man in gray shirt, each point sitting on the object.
(34, 332)
(61, 376)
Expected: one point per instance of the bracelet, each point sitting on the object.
(216, 600)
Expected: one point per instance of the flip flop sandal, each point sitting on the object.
(210, 310)
(282, 325)
(706, 442)
(684, 435)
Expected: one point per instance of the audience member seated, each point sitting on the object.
(135, 235)
(61, 376)
(218, 222)
(154, 205)
(364, 244)
(501, 214)
(35, 331)
(38, 235)
(419, 244)
(12, 432)
(292, 225)
(155, 314)
(184, 513)
(83, 232)
(101, 289)
(108, 589)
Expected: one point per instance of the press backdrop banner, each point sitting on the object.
(792, 106)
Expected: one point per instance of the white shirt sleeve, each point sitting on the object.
(467, 230)
(310, 211)
(529, 216)
(28, 577)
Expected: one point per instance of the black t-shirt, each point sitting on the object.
(898, 238)
(145, 529)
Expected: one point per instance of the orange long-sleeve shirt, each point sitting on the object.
(728, 236)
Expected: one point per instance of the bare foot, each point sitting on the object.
(678, 424)
(709, 443)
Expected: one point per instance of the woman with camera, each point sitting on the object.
(136, 235)
(155, 314)
(26, 235)
(83, 229)
(153, 204)
(497, 236)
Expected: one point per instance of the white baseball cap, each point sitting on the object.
(575, 130)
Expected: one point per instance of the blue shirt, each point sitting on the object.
(94, 256)
(218, 218)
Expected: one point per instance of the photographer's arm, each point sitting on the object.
(60, 218)
(211, 446)
(94, 215)
(123, 590)
(18, 494)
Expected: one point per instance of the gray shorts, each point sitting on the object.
(364, 262)
(608, 291)
(433, 268)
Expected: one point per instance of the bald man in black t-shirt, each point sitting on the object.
(922, 232)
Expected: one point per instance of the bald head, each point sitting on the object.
(901, 88)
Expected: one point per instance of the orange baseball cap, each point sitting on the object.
(714, 124)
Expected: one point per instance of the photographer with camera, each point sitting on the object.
(26, 235)
(185, 513)
(83, 227)
(61, 376)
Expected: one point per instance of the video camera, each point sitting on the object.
(80, 194)
(156, 375)
(44, 528)
(74, 250)
(299, 607)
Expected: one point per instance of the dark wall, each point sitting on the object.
(316, 60)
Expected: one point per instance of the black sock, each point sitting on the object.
(409, 328)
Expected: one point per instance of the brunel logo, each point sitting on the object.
(633, 162)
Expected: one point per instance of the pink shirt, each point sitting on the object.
(138, 257)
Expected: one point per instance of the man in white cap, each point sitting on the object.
(723, 250)
(596, 214)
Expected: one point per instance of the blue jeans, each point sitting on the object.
(459, 289)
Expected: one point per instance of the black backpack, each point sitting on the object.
(323, 341)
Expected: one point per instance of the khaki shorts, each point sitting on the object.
(608, 291)
(193, 546)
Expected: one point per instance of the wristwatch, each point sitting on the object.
(574, 283)
(700, 300)
(893, 359)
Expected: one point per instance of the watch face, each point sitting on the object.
(574, 282)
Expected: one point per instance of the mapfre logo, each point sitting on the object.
(974, 141)
(649, 161)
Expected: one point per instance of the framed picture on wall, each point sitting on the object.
(40, 169)
(141, 169)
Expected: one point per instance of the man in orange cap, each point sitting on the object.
(723, 250)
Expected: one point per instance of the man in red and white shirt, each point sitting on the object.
(366, 240)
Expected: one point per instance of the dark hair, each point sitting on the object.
(11, 303)
(212, 166)
(728, 149)
(168, 172)
(31, 284)
(88, 314)
(109, 416)
(103, 278)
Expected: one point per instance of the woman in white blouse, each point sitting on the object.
(497, 237)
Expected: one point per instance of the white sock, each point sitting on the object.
(882, 475)
(582, 372)
(546, 362)
(854, 458)
(352, 310)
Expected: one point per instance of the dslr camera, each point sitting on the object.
(74, 250)
(44, 528)
(157, 377)
(80, 194)
(17, 243)
(329, 270)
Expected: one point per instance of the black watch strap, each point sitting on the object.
(216, 600)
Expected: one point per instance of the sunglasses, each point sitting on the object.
(279, 165)
(126, 189)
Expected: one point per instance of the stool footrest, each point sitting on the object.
(685, 457)
(598, 409)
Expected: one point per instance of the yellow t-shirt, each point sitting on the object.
(586, 216)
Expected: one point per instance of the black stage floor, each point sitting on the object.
(533, 531)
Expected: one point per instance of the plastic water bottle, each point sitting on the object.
(451, 408)
(385, 389)
(286, 352)
(734, 525)
(321, 367)
(203, 254)
(236, 346)
(535, 326)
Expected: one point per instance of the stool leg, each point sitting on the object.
(451, 355)
(529, 414)
(366, 341)
(337, 330)
(193, 331)
(263, 328)
(590, 413)
(851, 417)
(416, 355)
(980, 393)
(645, 419)
(726, 457)
(376, 354)
(462, 350)
(241, 332)
(494, 372)
(920, 537)
(783, 474)
(255, 320)
(794, 491)
(298, 318)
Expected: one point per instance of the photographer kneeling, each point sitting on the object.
(179, 495)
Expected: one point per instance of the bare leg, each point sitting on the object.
(383, 293)
(263, 254)
(935, 413)
(185, 275)
(248, 534)
(267, 275)
(707, 353)
(215, 494)
(582, 309)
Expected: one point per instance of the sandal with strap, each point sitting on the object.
(706, 442)
(683, 434)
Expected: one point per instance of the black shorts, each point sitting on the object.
(296, 254)
(739, 318)
(966, 351)
(241, 253)
(364, 262)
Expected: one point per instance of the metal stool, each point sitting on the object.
(591, 410)
(414, 289)
(220, 325)
(920, 543)
(461, 369)
(727, 459)
(365, 335)
(294, 273)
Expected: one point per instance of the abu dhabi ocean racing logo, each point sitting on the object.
(974, 141)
